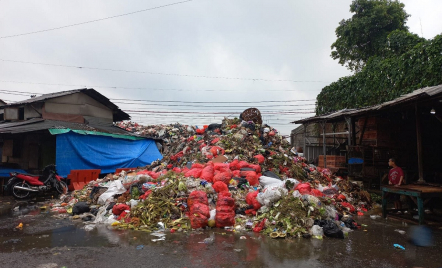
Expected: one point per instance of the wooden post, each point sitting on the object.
(363, 131)
(305, 141)
(419, 146)
(348, 120)
(324, 150)
(353, 131)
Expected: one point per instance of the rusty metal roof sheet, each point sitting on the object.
(42, 124)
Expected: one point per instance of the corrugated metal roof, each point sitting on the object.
(417, 94)
(41, 124)
(119, 115)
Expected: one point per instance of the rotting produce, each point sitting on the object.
(237, 175)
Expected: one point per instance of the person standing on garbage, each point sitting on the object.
(396, 178)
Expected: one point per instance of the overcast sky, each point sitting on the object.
(180, 49)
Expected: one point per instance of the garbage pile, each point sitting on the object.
(236, 175)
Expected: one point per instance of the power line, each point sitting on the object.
(189, 112)
(96, 20)
(23, 93)
(216, 106)
(156, 73)
(159, 89)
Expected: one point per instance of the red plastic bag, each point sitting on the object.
(258, 228)
(236, 173)
(118, 209)
(220, 187)
(224, 177)
(257, 168)
(234, 165)
(260, 158)
(226, 201)
(251, 200)
(316, 192)
(178, 155)
(197, 165)
(225, 219)
(195, 172)
(250, 212)
(215, 150)
(243, 164)
(198, 221)
(199, 208)
(197, 197)
(221, 166)
(215, 141)
(341, 197)
(303, 188)
(207, 173)
(177, 170)
(152, 174)
(145, 195)
(349, 206)
(251, 177)
(200, 131)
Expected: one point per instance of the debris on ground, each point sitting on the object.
(238, 175)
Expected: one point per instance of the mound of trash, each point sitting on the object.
(236, 175)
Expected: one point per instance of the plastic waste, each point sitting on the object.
(271, 194)
(400, 231)
(317, 232)
(330, 228)
(399, 246)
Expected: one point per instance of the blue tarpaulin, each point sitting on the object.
(355, 160)
(77, 151)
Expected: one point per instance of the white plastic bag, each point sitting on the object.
(133, 203)
(100, 218)
(111, 219)
(115, 187)
(296, 194)
(317, 232)
(271, 194)
(330, 212)
(212, 214)
(264, 181)
(313, 200)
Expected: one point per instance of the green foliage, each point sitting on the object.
(398, 42)
(386, 78)
(364, 34)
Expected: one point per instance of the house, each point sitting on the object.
(408, 128)
(74, 129)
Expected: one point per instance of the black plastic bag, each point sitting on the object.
(80, 208)
(330, 228)
(241, 182)
(213, 127)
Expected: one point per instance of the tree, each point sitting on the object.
(398, 42)
(407, 64)
(365, 33)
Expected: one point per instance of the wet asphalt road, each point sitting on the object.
(48, 241)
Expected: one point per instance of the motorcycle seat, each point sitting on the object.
(29, 175)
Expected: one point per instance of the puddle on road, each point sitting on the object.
(371, 246)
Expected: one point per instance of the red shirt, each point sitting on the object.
(395, 175)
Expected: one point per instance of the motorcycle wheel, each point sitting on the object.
(61, 187)
(20, 194)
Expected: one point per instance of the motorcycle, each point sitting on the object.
(22, 185)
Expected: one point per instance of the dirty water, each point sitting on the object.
(371, 246)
